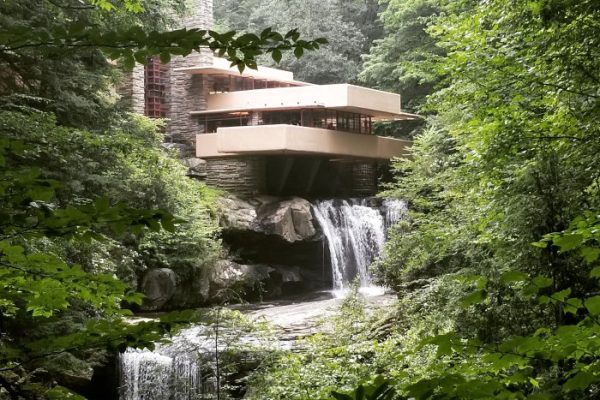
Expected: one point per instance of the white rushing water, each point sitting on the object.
(173, 371)
(186, 367)
(393, 211)
(356, 232)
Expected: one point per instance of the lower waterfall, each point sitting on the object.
(180, 370)
(355, 231)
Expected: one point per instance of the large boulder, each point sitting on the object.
(291, 219)
(228, 280)
(196, 167)
(159, 286)
(236, 214)
(231, 281)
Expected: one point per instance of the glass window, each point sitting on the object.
(214, 121)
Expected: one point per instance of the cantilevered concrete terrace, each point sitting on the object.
(344, 97)
(291, 139)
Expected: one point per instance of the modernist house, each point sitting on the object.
(262, 132)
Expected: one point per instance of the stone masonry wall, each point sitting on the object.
(187, 92)
(184, 92)
(240, 175)
(132, 89)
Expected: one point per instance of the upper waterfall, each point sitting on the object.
(355, 232)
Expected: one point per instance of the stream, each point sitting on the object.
(185, 368)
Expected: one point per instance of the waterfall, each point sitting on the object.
(173, 371)
(185, 368)
(355, 232)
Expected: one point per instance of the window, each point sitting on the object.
(154, 89)
(212, 122)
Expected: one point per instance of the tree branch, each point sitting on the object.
(70, 7)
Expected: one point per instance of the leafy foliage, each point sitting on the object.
(336, 358)
(508, 158)
(135, 44)
(348, 26)
(78, 44)
(399, 60)
(63, 244)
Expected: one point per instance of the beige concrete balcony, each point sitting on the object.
(356, 99)
(222, 67)
(292, 139)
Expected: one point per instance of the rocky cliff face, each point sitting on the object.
(280, 232)
(289, 219)
(275, 249)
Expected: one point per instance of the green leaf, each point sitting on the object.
(534, 383)
(276, 54)
(580, 381)
(474, 298)
(265, 33)
(545, 300)
(589, 254)
(514, 276)
(542, 281)
(298, 52)
(444, 343)
(562, 295)
(568, 242)
(541, 244)
(573, 305)
(592, 304)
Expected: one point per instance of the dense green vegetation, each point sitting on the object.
(497, 266)
(349, 26)
(88, 197)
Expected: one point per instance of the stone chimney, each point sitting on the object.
(182, 92)
(131, 90)
(187, 92)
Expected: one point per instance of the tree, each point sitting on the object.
(348, 26)
(399, 61)
(506, 159)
